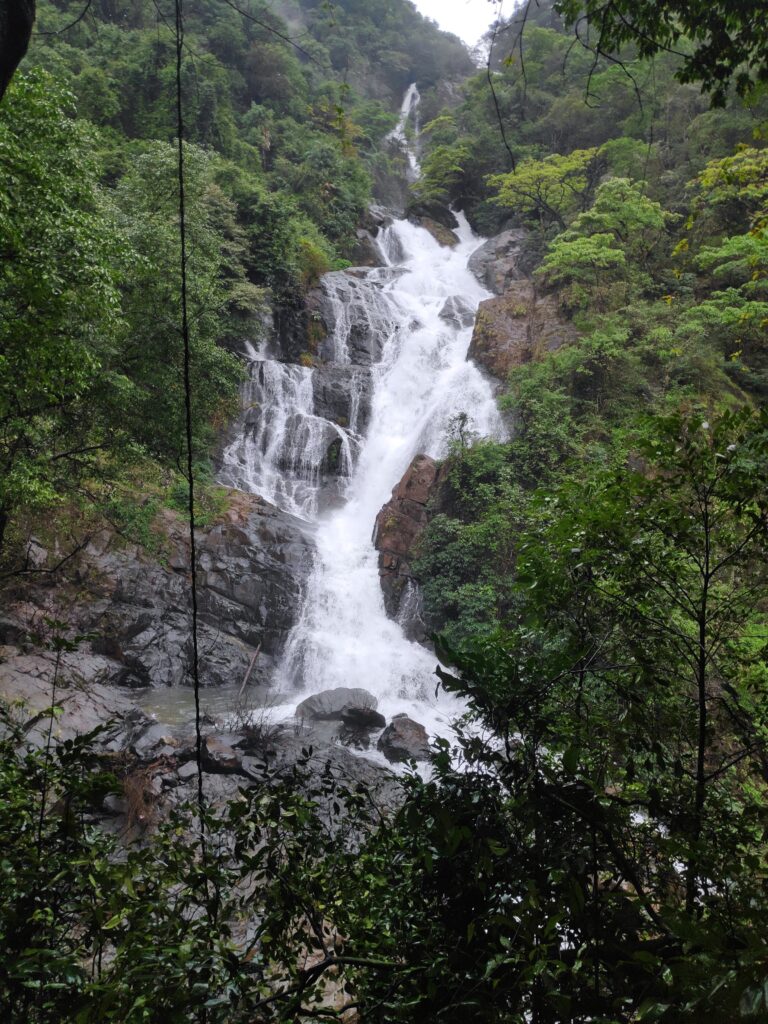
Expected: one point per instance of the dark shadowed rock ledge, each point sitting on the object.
(135, 607)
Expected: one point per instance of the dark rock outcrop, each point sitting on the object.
(457, 312)
(342, 394)
(440, 233)
(404, 740)
(365, 252)
(496, 263)
(350, 317)
(136, 607)
(398, 527)
(437, 219)
(516, 328)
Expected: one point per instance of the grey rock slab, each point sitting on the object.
(496, 262)
(84, 704)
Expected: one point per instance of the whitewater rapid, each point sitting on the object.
(423, 382)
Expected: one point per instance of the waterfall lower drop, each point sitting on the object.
(409, 324)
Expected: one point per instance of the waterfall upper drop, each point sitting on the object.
(409, 111)
(396, 348)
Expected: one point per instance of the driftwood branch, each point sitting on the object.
(247, 675)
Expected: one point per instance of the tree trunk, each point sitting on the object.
(16, 20)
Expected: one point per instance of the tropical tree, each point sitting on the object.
(718, 43)
(59, 299)
(552, 190)
(616, 240)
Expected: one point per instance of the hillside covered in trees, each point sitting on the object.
(557, 267)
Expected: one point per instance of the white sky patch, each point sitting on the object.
(466, 18)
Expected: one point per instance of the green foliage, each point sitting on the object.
(604, 808)
(551, 190)
(718, 43)
(615, 242)
(607, 833)
(60, 311)
(555, 99)
(152, 405)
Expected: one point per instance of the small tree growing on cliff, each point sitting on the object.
(550, 191)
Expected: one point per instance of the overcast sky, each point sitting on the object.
(467, 18)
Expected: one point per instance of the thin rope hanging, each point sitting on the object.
(188, 424)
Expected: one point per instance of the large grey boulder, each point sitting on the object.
(333, 705)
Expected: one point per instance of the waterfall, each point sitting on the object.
(282, 448)
(397, 344)
(420, 384)
(408, 110)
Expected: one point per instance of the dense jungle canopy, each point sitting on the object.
(589, 843)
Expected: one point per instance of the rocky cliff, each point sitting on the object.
(135, 607)
(398, 527)
(519, 324)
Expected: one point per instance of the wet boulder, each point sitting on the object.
(362, 719)
(516, 328)
(441, 234)
(342, 394)
(404, 740)
(457, 312)
(399, 525)
(352, 317)
(333, 705)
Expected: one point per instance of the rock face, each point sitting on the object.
(136, 608)
(365, 252)
(496, 263)
(84, 700)
(399, 525)
(457, 312)
(440, 233)
(437, 219)
(517, 327)
(404, 740)
(343, 394)
(350, 316)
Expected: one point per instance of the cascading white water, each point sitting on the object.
(423, 381)
(282, 448)
(411, 323)
(409, 111)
